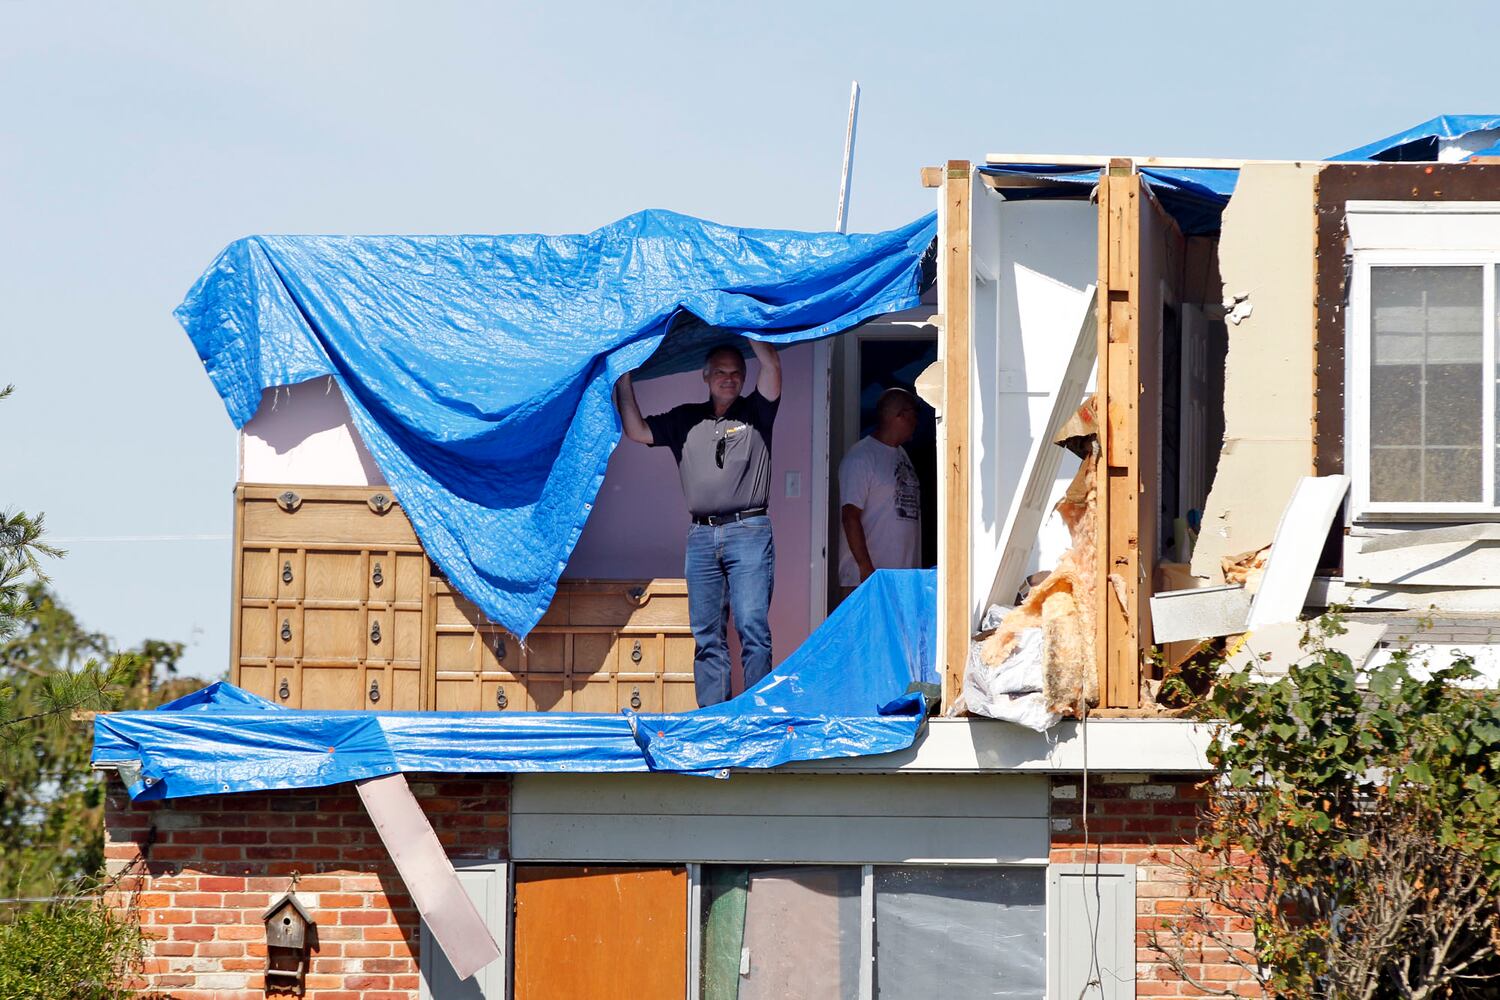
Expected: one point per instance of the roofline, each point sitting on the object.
(1091, 160)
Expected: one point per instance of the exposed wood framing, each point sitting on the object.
(1118, 636)
(955, 353)
(932, 177)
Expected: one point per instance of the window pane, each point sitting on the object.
(1426, 383)
(985, 926)
(780, 932)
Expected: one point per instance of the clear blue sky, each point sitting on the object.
(137, 139)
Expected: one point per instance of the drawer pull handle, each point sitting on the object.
(635, 652)
(636, 594)
(379, 503)
(500, 700)
(377, 577)
(500, 647)
(288, 501)
(286, 571)
(285, 691)
(375, 690)
(635, 697)
(286, 630)
(375, 632)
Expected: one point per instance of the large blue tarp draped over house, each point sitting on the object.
(479, 369)
(845, 692)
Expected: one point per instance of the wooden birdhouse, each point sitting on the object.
(290, 933)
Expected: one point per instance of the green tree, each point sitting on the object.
(51, 668)
(1352, 843)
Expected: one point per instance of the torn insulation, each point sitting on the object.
(1063, 605)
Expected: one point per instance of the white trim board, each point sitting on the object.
(988, 746)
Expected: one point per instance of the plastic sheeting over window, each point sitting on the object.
(872, 931)
(844, 693)
(770, 933)
(479, 369)
(988, 924)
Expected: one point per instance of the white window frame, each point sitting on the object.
(1417, 234)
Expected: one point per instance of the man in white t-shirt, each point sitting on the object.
(880, 506)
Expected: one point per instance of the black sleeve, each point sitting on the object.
(669, 430)
(765, 409)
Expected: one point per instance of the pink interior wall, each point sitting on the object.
(639, 525)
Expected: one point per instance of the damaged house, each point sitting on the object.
(1176, 405)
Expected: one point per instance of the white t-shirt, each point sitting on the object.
(881, 482)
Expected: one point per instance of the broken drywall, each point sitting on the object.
(1266, 258)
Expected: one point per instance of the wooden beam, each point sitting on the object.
(954, 350)
(932, 177)
(1118, 620)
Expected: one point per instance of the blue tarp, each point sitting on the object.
(479, 369)
(1194, 197)
(843, 693)
(1420, 142)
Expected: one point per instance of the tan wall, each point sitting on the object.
(1266, 254)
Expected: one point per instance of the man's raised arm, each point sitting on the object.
(634, 424)
(768, 382)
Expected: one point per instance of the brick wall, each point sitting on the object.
(1149, 821)
(202, 871)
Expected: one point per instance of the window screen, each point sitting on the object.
(1426, 384)
(979, 931)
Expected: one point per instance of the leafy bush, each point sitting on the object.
(1352, 843)
(73, 949)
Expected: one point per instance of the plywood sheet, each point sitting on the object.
(600, 932)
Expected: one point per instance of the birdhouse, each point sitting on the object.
(287, 923)
(290, 931)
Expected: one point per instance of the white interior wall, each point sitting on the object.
(1023, 335)
(303, 435)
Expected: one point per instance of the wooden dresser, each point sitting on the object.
(336, 606)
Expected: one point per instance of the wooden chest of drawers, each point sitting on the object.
(330, 589)
(603, 645)
(336, 606)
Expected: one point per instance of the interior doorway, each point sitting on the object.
(868, 361)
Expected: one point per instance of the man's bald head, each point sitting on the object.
(895, 416)
(723, 354)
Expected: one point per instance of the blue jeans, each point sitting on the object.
(729, 568)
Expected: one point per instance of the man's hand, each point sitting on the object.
(631, 421)
(854, 534)
(768, 382)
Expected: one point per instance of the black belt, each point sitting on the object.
(717, 519)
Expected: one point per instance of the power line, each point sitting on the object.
(84, 539)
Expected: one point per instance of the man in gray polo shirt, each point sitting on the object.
(723, 453)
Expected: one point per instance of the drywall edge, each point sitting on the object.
(1267, 260)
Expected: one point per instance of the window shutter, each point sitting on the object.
(486, 886)
(1083, 899)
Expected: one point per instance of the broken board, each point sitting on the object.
(1298, 543)
(1030, 504)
